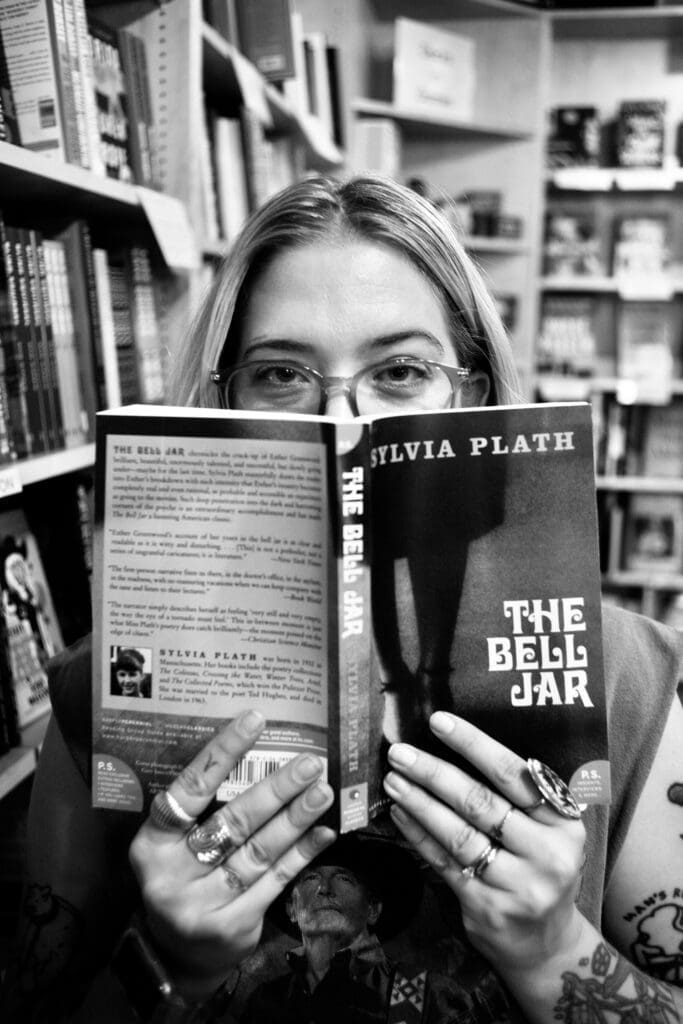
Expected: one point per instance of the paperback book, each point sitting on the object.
(347, 578)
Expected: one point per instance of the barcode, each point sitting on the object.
(47, 115)
(251, 769)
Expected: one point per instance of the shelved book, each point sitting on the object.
(30, 623)
(653, 533)
(573, 137)
(640, 133)
(567, 342)
(347, 578)
(571, 245)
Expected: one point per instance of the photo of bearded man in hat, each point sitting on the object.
(359, 893)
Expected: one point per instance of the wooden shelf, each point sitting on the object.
(590, 385)
(487, 244)
(418, 122)
(618, 22)
(25, 174)
(640, 484)
(659, 289)
(229, 75)
(21, 474)
(622, 180)
(433, 10)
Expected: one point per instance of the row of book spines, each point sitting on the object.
(643, 533)
(78, 334)
(639, 440)
(77, 130)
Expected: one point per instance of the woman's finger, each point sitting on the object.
(195, 787)
(268, 845)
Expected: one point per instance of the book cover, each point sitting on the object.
(572, 244)
(33, 633)
(662, 454)
(567, 342)
(348, 578)
(640, 133)
(645, 347)
(42, 87)
(265, 35)
(111, 101)
(641, 246)
(653, 533)
(573, 137)
(433, 69)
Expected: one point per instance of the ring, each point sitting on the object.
(552, 790)
(211, 841)
(233, 880)
(477, 868)
(496, 832)
(167, 814)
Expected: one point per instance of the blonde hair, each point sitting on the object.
(372, 208)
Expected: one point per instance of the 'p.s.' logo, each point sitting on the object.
(105, 766)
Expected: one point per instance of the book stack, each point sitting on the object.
(76, 336)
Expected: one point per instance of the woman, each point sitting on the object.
(341, 279)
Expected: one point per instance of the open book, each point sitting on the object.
(347, 578)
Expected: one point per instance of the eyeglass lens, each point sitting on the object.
(269, 386)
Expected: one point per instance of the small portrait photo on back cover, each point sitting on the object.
(131, 671)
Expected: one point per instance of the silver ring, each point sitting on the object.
(552, 790)
(211, 841)
(166, 813)
(478, 866)
(496, 832)
(233, 880)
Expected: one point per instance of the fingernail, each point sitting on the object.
(403, 754)
(317, 796)
(442, 722)
(306, 767)
(393, 781)
(250, 722)
(398, 814)
(322, 837)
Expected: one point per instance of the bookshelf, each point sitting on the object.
(188, 63)
(593, 55)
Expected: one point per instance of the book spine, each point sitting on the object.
(91, 130)
(26, 29)
(74, 416)
(106, 314)
(47, 339)
(142, 73)
(354, 631)
(145, 330)
(15, 373)
(7, 453)
(65, 80)
(77, 82)
(129, 377)
(139, 139)
(93, 313)
(29, 342)
(78, 294)
(38, 339)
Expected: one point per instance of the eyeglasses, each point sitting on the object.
(399, 384)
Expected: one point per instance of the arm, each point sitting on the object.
(521, 913)
(75, 900)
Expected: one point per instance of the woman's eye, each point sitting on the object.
(280, 375)
(402, 373)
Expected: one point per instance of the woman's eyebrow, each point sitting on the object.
(382, 341)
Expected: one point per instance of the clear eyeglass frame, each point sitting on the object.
(224, 379)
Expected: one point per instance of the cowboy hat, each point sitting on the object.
(389, 871)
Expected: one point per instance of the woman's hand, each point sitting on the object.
(206, 919)
(519, 908)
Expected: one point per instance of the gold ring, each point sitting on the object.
(479, 865)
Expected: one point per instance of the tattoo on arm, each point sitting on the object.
(610, 989)
(675, 795)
